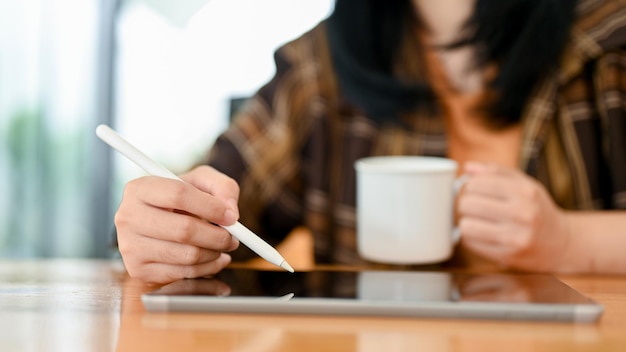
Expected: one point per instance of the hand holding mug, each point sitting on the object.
(508, 217)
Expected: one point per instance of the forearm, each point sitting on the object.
(597, 243)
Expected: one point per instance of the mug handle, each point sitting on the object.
(458, 183)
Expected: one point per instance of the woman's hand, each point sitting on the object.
(510, 218)
(166, 228)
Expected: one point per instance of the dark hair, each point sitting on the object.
(524, 38)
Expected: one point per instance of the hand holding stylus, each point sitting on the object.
(161, 245)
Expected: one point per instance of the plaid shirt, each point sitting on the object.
(293, 146)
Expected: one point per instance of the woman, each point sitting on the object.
(527, 95)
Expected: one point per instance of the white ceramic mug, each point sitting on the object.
(405, 209)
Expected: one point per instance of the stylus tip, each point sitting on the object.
(286, 266)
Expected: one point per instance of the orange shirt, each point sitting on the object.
(469, 139)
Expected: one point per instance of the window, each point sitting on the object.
(162, 72)
(49, 67)
(177, 75)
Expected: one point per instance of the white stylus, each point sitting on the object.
(243, 234)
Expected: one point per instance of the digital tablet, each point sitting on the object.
(379, 293)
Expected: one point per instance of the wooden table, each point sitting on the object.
(90, 305)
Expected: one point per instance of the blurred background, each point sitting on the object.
(164, 73)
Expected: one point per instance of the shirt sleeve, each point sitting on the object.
(611, 100)
(261, 151)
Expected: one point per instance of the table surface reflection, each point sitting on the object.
(92, 305)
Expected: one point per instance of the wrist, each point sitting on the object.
(572, 259)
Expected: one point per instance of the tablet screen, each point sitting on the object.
(370, 292)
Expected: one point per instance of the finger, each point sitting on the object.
(161, 273)
(216, 183)
(490, 185)
(513, 238)
(186, 229)
(493, 179)
(172, 194)
(496, 241)
(475, 205)
(147, 250)
(475, 229)
(518, 202)
(490, 250)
